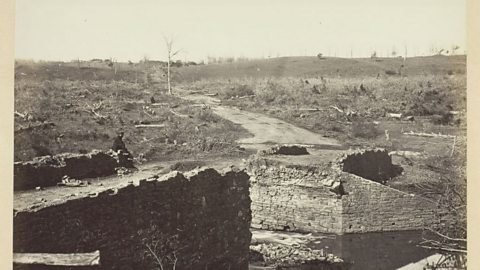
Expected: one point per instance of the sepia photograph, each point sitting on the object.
(246, 135)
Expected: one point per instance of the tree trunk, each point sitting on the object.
(168, 75)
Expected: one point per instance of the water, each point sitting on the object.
(375, 251)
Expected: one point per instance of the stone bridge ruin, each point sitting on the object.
(202, 219)
(341, 196)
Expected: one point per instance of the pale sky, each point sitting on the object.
(130, 30)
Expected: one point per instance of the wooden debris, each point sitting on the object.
(159, 104)
(348, 114)
(310, 109)
(20, 114)
(73, 259)
(150, 126)
(394, 115)
(211, 94)
(336, 108)
(37, 125)
(179, 114)
(405, 153)
(422, 134)
(249, 96)
(93, 109)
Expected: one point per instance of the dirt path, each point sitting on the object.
(266, 130)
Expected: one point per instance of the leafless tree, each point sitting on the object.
(449, 236)
(164, 251)
(171, 53)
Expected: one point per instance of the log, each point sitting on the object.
(72, 259)
(422, 134)
(33, 126)
(249, 96)
(179, 114)
(20, 114)
(159, 104)
(394, 115)
(150, 126)
(211, 94)
(309, 109)
(336, 108)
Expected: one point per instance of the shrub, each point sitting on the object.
(442, 119)
(238, 91)
(364, 129)
(391, 72)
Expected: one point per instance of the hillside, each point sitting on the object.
(309, 67)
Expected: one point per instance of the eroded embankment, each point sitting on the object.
(199, 221)
(328, 197)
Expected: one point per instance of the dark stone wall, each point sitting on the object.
(202, 220)
(373, 164)
(49, 170)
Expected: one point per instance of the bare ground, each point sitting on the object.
(265, 130)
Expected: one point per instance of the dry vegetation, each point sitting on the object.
(353, 110)
(66, 108)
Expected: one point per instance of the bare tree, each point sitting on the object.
(170, 54)
(164, 251)
(449, 236)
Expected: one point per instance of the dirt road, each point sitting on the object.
(266, 130)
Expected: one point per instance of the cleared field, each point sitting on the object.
(68, 114)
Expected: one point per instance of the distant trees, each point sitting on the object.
(454, 49)
(112, 63)
(394, 52)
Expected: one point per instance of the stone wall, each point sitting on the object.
(324, 198)
(294, 199)
(203, 220)
(372, 207)
(49, 170)
(373, 164)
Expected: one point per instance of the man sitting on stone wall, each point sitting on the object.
(125, 158)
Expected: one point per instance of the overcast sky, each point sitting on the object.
(130, 30)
